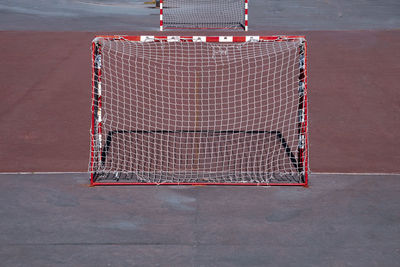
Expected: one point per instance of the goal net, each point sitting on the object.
(199, 110)
(203, 14)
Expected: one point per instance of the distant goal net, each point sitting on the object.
(199, 110)
(204, 14)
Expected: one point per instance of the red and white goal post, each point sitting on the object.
(204, 14)
(225, 110)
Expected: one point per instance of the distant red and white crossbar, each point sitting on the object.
(246, 15)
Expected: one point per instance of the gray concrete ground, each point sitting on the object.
(132, 15)
(340, 220)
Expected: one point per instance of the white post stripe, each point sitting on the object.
(225, 39)
(252, 38)
(199, 38)
(301, 141)
(173, 38)
(146, 38)
(99, 88)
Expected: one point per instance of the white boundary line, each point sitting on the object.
(43, 173)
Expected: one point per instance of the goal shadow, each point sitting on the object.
(197, 156)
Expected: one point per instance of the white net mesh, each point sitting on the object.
(197, 112)
(203, 14)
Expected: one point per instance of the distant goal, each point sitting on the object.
(224, 110)
(204, 14)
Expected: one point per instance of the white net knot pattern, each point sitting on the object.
(198, 112)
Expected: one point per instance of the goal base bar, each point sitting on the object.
(201, 184)
(197, 178)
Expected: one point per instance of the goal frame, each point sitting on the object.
(96, 114)
(245, 26)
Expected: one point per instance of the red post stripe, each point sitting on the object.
(132, 38)
(212, 39)
(239, 38)
(268, 38)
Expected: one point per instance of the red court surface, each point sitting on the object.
(353, 99)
